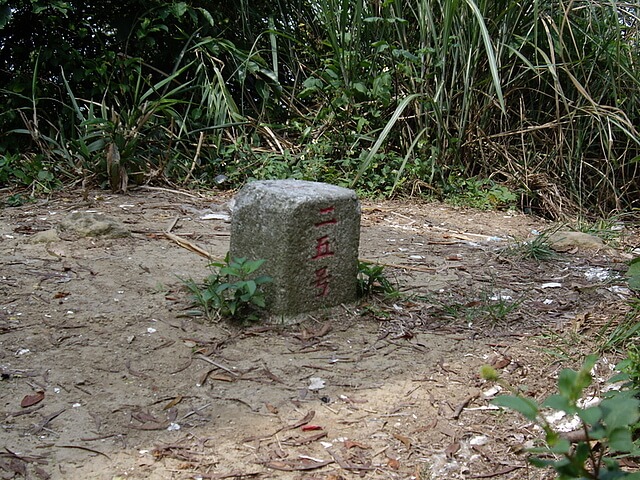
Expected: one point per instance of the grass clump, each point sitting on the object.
(538, 248)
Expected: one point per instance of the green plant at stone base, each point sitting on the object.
(371, 280)
(606, 428)
(232, 290)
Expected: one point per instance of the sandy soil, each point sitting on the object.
(107, 375)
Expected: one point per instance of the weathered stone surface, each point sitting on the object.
(308, 233)
(565, 241)
(84, 224)
(46, 236)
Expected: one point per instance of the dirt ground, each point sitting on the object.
(106, 374)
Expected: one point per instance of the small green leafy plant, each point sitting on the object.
(605, 429)
(372, 280)
(232, 290)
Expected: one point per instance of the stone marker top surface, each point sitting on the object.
(292, 192)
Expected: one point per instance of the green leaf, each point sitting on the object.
(591, 415)
(252, 266)
(360, 87)
(620, 440)
(251, 287)
(581, 453)
(258, 300)
(559, 402)
(179, 9)
(620, 412)
(567, 384)
(383, 135)
(223, 286)
(261, 280)
(522, 405)
(491, 57)
(561, 446)
(540, 462)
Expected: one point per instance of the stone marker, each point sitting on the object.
(308, 233)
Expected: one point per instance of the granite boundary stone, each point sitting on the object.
(308, 233)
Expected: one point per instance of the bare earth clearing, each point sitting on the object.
(119, 381)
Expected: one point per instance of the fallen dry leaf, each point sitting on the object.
(308, 428)
(173, 402)
(393, 463)
(501, 362)
(30, 400)
(351, 444)
(405, 440)
(452, 449)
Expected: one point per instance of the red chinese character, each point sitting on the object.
(322, 248)
(322, 281)
(326, 211)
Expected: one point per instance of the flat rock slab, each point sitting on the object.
(565, 241)
(308, 233)
(91, 224)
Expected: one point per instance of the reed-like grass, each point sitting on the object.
(542, 96)
(381, 95)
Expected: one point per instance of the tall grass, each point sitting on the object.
(543, 96)
(387, 96)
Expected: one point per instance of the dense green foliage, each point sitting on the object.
(606, 427)
(500, 102)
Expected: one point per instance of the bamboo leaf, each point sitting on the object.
(383, 135)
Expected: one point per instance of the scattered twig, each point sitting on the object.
(458, 411)
(305, 440)
(86, 449)
(504, 471)
(197, 410)
(161, 189)
(42, 425)
(25, 412)
(216, 364)
(102, 437)
(234, 474)
(293, 465)
(180, 369)
(397, 265)
(189, 246)
(172, 224)
(307, 418)
(24, 458)
(133, 372)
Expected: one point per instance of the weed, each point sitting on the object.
(608, 229)
(232, 290)
(563, 346)
(487, 308)
(484, 194)
(537, 249)
(16, 200)
(605, 433)
(372, 280)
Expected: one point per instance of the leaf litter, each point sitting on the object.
(400, 389)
